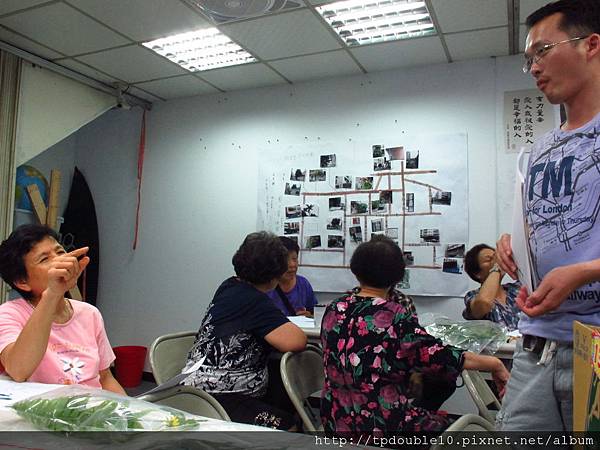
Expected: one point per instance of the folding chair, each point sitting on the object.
(168, 354)
(487, 403)
(302, 375)
(188, 399)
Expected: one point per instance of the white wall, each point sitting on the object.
(39, 126)
(199, 193)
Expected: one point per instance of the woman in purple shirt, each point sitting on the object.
(293, 295)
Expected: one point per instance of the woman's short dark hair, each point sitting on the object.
(13, 251)
(378, 263)
(261, 258)
(472, 261)
(290, 244)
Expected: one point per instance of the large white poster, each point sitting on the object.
(330, 197)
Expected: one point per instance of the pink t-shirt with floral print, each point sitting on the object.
(77, 350)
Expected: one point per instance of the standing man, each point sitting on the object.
(562, 200)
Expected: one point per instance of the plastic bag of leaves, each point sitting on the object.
(80, 408)
(472, 335)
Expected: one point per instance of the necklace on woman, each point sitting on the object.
(68, 308)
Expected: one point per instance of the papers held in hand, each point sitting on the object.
(520, 231)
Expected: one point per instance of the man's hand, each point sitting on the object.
(504, 256)
(556, 286)
(65, 270)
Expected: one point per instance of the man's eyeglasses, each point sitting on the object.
(543, 51)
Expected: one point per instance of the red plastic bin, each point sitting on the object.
(129, 364)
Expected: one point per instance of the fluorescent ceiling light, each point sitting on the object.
(360, 22)
(200, 50)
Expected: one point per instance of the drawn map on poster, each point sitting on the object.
(330, 197)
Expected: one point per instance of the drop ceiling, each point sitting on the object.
(102, 39)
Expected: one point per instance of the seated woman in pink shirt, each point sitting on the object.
(45, 337)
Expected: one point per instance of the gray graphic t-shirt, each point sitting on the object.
(562, 198)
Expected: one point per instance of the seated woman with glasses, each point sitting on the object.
(380, 364)
(493, 300)
(293, 295)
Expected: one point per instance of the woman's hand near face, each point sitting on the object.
(64, 271)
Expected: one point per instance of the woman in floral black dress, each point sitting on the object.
(374, 350)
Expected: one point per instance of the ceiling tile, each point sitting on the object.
(322, 65)
(26, 44)
(152, 19)
(478, 44)
(132, 64)
(8, 6)
(185, 86)
(86, 70)
(282, 35)
(462, 15)
(529, 6)
(242, 77)
(62, 28)
(405, 53)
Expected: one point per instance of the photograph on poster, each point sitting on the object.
(336, 203)
(293, 189)
(313, 241)
(441, 198)
(430, 235)
(356, 234)
(328, 161)
(378, 151)
(395, 153)
(358, 207)
(451, 266)
(355, 221)
(405, 283)
(385, 197)
(291, 227)
(292, 212)
(377, 207)
(409, 258)
(298, 175)
(410, 202)
(377, 225)
(455, 251)
(334, 223)
(412, 160)
(317, 175)
(381, 164)
(334, 241)
(392, 233)
(343, 182)
(364, 183)
(310, 210)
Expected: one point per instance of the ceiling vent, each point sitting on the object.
(222, 11)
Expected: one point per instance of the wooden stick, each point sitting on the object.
(53, 199)
(39, 208)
